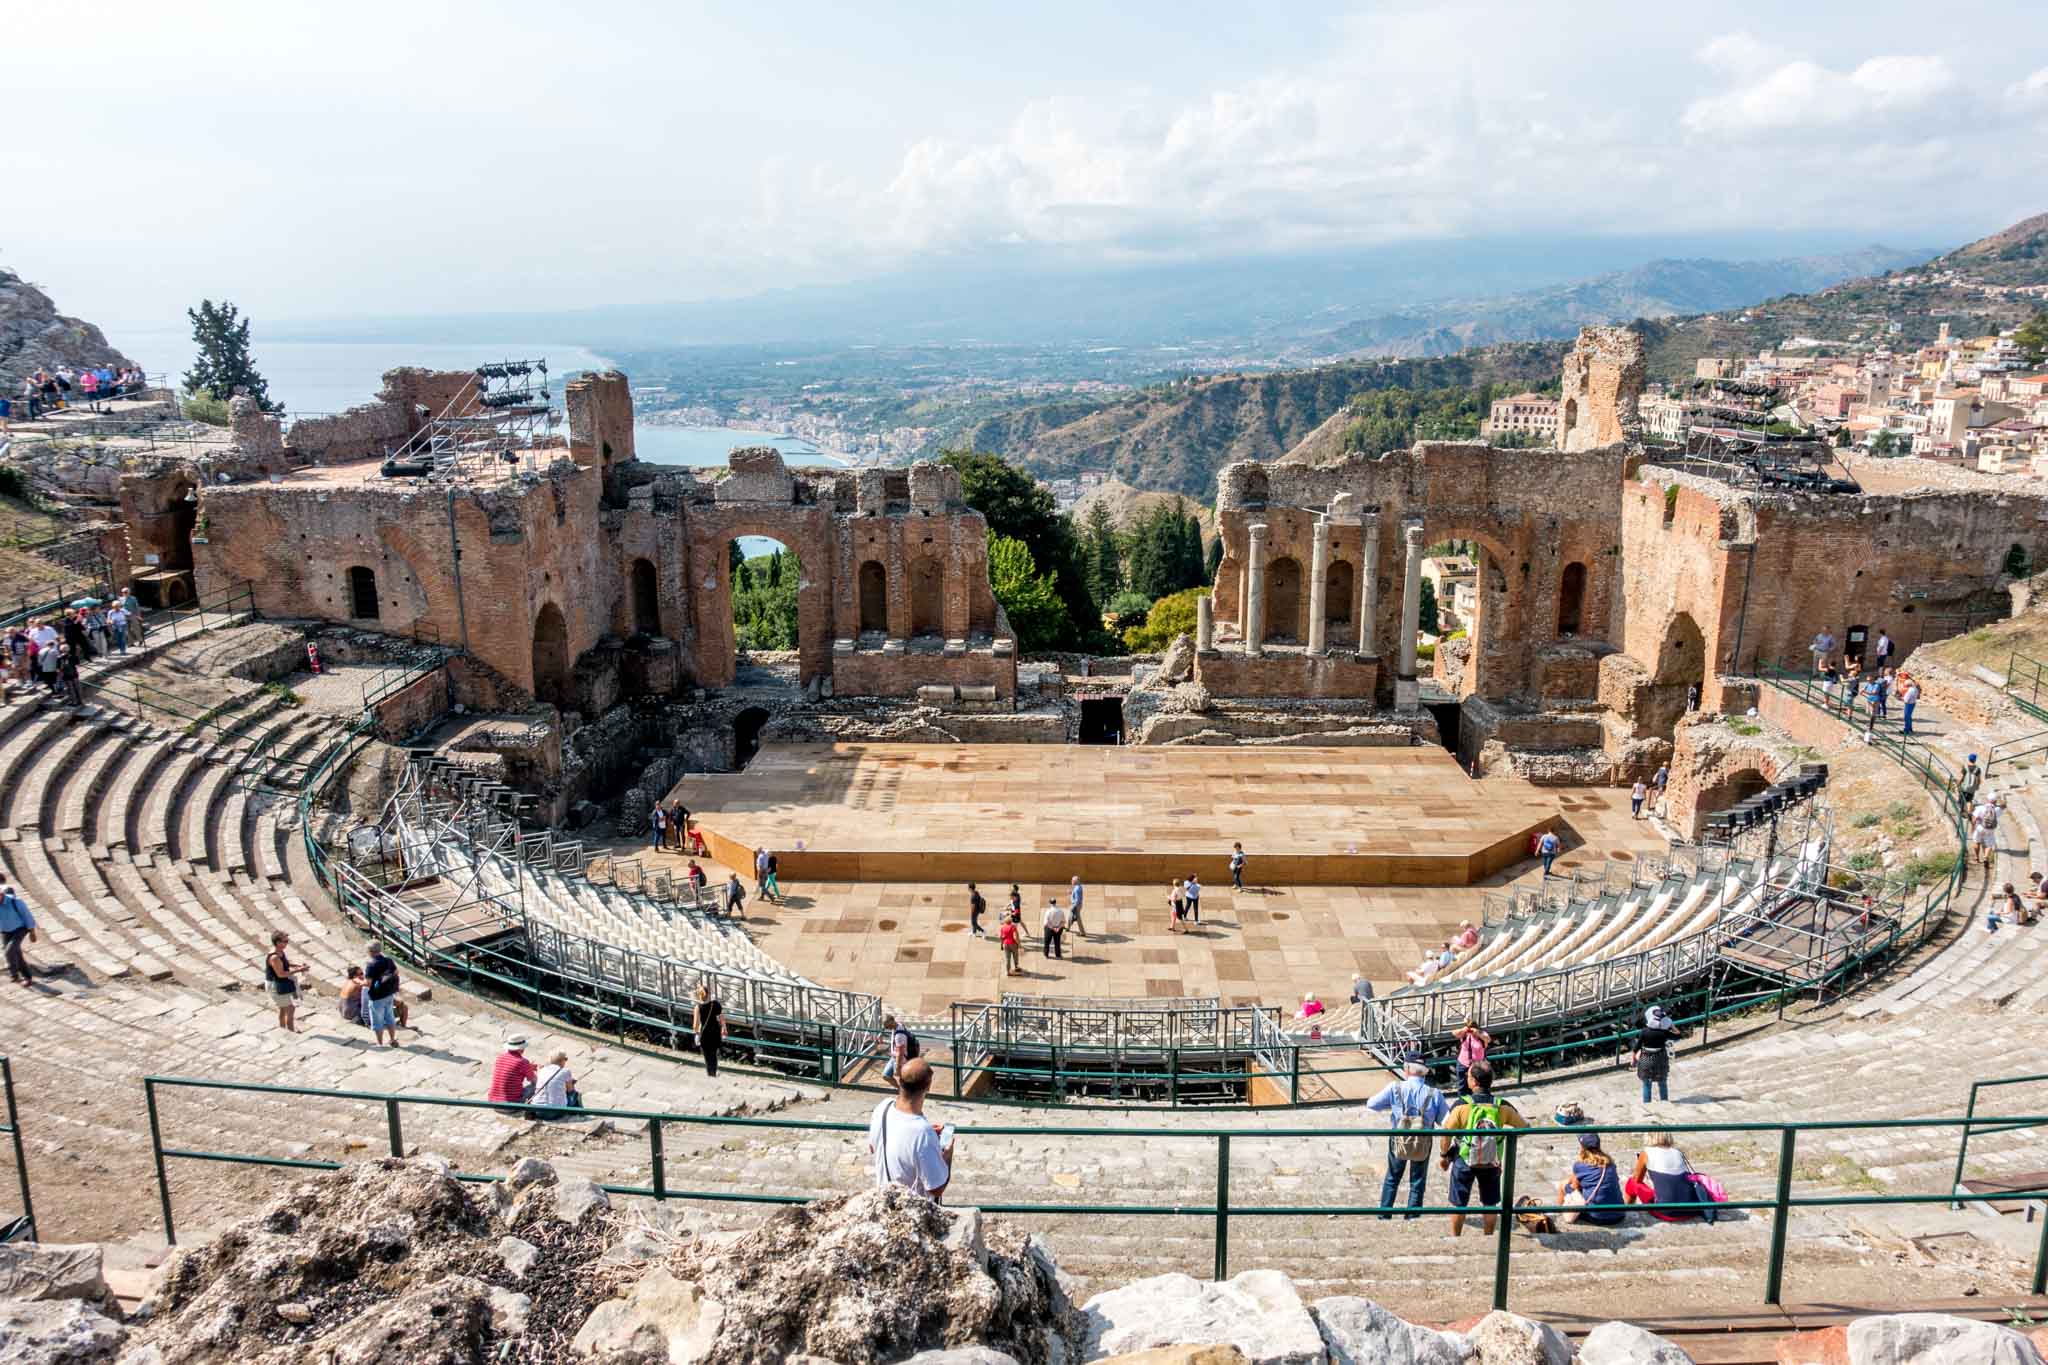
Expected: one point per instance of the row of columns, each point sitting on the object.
(1251, 603)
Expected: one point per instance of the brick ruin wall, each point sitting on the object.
(553, 583)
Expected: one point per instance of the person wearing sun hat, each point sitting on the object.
(512, 1077)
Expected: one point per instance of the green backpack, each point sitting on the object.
(1482, 1148)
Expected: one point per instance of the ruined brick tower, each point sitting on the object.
(1602, 382)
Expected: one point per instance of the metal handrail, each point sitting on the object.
(2002, 1126)
(26, 1224)
(1221, 1211)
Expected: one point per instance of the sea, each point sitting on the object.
(311, 378)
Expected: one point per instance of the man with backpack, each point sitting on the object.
(1417, 1106)
(1475, 1158)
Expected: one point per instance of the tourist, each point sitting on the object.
(774, 879)
(117, 626)
(132, 605)
(280, 975)
(49, 659)
(352, 1011)
(735, 897)
(1361, 993)
(67, 675)
(1692, 697)
(1884, 651)
(1652, 1057)
(1872, 692)
(1475, 1157)
(1016, 902)
(1074, 907)
(1823, 648)
(96, 631)
(17, 654)
(1415, 1105)
(512, 1076)
(1884, 693)
(2008, 903)
(903, 1046)
(1472, 1044)
(1909, 697)
(75, 637)
(1054, 923)
(1193, 893)
(907, 1150)
(707, 1021)
(1008, 933)
(1828, 679)
(554, 1086)
(1176, 905)
(1547, 848)
(1967, 783)
(678, 825)
(1467, 937)
(697, 842)
(1636, 796)
(761, 873)
(1237, 867)
(1593, 1187)
(976, 906)
(657, 826)
(695, 876)
(1984, 833)
(1663, 1175)
(1425, 971)
(17, 926)
(1310, 1007)
(380, 993)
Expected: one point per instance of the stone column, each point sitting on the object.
(1411, 603)
(1369, 597)
(1318, 586)
(1255, 592)
(1205, 624)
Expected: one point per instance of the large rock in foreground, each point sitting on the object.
(1258, 1312)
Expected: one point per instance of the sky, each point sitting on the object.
(316, 161)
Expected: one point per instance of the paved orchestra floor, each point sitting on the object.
(923, 812)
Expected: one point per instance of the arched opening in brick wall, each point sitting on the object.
(551, 677)
(927, 597)
(646, 599)
(874, 597)
(746, 735)
(1571, 599)
(1338, 585)
(1495, 606)
(362, 593)
(1680, 676)
(1736, 787)
(1283, 600)
(765, 576)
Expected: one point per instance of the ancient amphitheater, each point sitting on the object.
(434, 786)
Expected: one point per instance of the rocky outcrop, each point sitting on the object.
(35, 336)
(397, 1260)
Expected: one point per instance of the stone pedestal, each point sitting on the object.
(1318, 586)
(1255, 591)
(1369, 596)
(1407, 694)
(1205, 625)
(1411, 602)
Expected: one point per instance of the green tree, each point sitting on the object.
(1102, 554)
(1030, 599)
(1214, 560)
(1428, 614)
(764, 602)
(223, 363)
(1170, 616)
(775, 570)
(2032, 337)
(1018, 506)
(1127, 609)
(1191, 573)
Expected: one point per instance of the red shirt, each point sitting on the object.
(1009, 934)
(510, 1077)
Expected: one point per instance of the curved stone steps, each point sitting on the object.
(119, 822)
(85, 795)
(155, 824)
(22, 769)
(79, 751)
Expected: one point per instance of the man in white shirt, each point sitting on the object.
(905, 1147)
(555, 1086)
(1822, 647)
(1055, 926)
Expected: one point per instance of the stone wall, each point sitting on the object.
(1601, 385)
(1227, 673)
(1711, 762)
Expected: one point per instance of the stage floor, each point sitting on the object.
(1043, 813)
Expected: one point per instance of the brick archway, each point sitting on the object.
(551, 664)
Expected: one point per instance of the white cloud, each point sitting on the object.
(1802, 94)
(2031, 93)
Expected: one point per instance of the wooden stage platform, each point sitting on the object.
(1043, 813)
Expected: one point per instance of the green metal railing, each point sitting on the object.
(25, 1225)
(394, 678)
(2026, 682)
(2002, 1125)
(1220, 1210)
